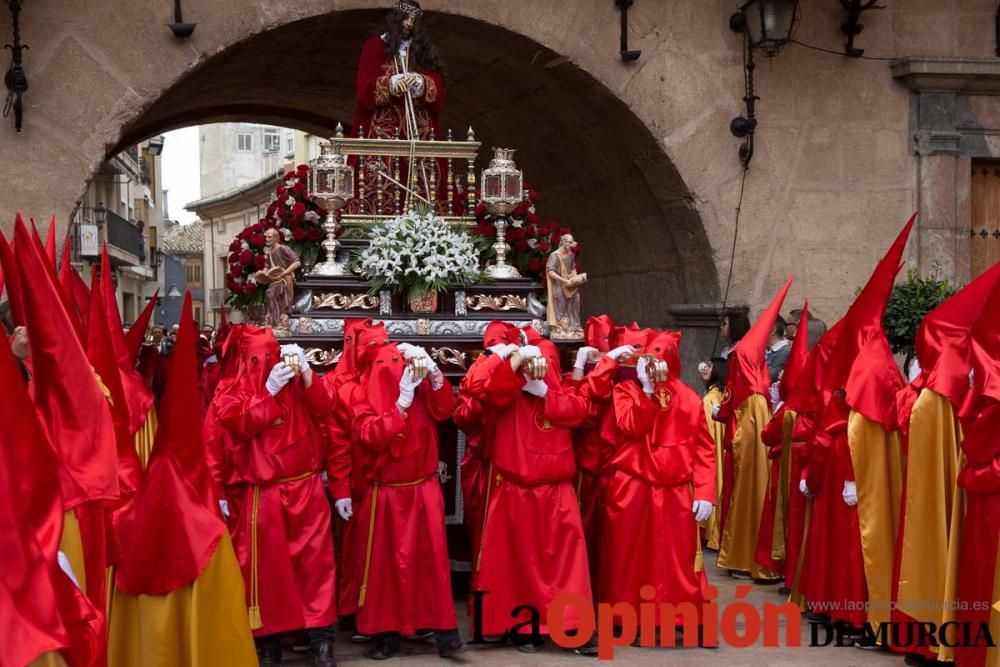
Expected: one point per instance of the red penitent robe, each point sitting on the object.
(801, 434)
(978, 582)
(664, 459)
(533, 547)
(406, 581)
(833, 577)
(277, 501)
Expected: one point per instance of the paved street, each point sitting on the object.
(424, 654)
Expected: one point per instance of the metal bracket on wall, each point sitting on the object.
(15, 79)
(627, 55)
(853, 27)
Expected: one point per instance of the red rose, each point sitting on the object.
(235, 245)
(271, 208)
(535, 264)
(246, 257)
(245, 234)
(543, 247)
(563, 230)
(486, 230)
(480, 209)
(531, 230)
(298, 234)
(281, 190)
(532, 218)
(515, 234)
(576, 249)
(313, 234)
(532, 196)
(299, 188)
(520, 210)
(249, 289)
(281, 213)
(298, 208)
(302, 170)
(259, 261)
(289, 176)
(234, 257)
(554, 239)
(522, 246)
(257, 240)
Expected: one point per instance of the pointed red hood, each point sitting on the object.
(74, 290)
(597, 332)
(942, 341)
(984, 350)
(807, 394)
(863, 320)
(140, 398)
(102, 358)
(69, 399)
(31, 520)
(747, 373)
(797, 356)
(345, 367)
(632, 334)
(50, 242)
(137, 334)
(42, 251)
(171, 527)
(12, 276)
(499, 332)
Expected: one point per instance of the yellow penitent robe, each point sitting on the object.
(718, 430)
(146, 436)
(203, 624)
(51, 659)
(750, 476)
(929, 549)
(877, 458)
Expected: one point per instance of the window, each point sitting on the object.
(196, 308)
(244, 143)
(220, 225)
(291, 145)
(194, 274)
(272, 142)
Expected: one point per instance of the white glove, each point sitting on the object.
(536, 388)
(621, 351)
(409, 351)
(850, 494)
(503, 350)
(775, 392)
(644, 380)
(804, 489)
(582, 355)
(66, 567)
(224, 508)
(529, 351)
(345, 508)
(280, 376)
(715, 410)
(407, 386)
(417, 352)
(702, 510)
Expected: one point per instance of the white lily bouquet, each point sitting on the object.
(418, 253)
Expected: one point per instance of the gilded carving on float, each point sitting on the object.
(317, 356)
(336, 301)
(502, 302)
(449, 356)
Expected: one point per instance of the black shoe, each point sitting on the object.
(453, 647)
(766, 582)
(383, 650)
(268, 656)
(360, 638)
(323, 657)
(589, 649)
(528, 644)
(739, 574)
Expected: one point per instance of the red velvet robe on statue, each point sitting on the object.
(664, 459)
(532, 545)
(380, 114)
(406, 584)
(277, 452)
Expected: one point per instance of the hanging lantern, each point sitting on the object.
(502, 183)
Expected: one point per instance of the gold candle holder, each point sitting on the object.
(656, 369)
(418, 367)
(536, 367)
(292, 361)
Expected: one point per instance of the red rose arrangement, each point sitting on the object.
(530, 242)
(299, 220)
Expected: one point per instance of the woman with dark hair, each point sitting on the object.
(713, 373)
(400, 94)
(734, 326)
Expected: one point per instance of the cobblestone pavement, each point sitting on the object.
(423, 653)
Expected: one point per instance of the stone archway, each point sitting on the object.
(597, 166)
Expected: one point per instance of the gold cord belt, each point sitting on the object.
(254, 610)
(371, 529)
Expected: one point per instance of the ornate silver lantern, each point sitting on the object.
(333, 186)
(502, 191)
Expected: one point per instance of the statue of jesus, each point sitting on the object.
(279, 276)
(564, 291)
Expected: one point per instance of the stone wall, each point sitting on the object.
(654, 169)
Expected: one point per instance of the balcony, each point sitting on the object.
(124, 239)
(217, 298)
